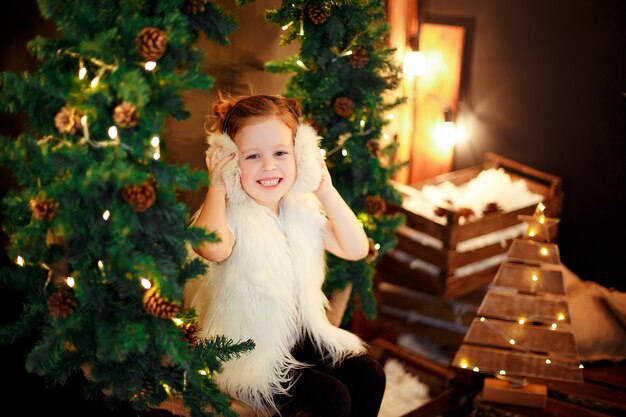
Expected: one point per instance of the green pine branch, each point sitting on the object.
(344, 56)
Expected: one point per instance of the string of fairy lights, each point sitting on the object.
(102, 68)
(538, 228)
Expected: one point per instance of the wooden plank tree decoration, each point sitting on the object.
(522, 325)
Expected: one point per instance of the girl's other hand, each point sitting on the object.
(326, 183)
(215, 165)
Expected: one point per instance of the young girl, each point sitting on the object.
(273, 205)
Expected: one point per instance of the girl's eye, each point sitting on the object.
(281, 153)
(253, 156)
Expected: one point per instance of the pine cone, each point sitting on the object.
(318, 16)
(43, 209)
(125, 115)
(372, 254)
(67, 121)
(158, 306)
(196, 6)
(151, 43)
(359, 57)
(192, 332)
(374, 146)
(61, 302)
(440, 212)
(375, 205)
(466, 212)
(492, 208)
(344, 107)
(141, 197)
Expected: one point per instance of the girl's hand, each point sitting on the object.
(215, 166)
(326, 183)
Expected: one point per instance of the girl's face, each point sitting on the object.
(267, 162)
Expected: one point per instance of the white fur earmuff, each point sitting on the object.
(306, 152)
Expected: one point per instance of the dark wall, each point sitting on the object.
(545, 85)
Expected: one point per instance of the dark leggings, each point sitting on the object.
(354, 388)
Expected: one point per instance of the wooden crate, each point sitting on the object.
(438, 325)
(445, 395)
(402, 263)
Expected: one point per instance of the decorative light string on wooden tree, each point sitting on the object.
(522, 325)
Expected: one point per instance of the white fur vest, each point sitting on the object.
(269, 290)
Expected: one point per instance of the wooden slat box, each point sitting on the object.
(445, 396)
(436, 324)
(433, 262)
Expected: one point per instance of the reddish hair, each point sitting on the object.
(240, 112)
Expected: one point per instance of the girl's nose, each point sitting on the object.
(269, 164)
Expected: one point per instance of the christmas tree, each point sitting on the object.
(97, 236)
(342, 73)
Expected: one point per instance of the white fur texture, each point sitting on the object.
(306, 151)
(270, 290)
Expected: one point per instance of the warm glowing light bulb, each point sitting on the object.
(202, 372)
(548, 361)
(535, 277)
(150, 65)
(177, 321)
(377, 246)
(414, 64)
(464, 364)
(323, 153)
(70, 282)
(512, 341)
(106, 215)
(155, 141)
(100, 265)
(83, 120)
(446, 135)
(344, 152)
(391, 116)
(476, 369)
(82, 73)
(156, 156)
(362, 123)
(145, 282)
(19, 260)
(541, 207)
(301, 64)
(502, 372)
(581, 366)
(285, 27)
(554, 326)
(561, 316)
(94, 83)
(167, 389)
(542, 219)
(482, 319)
(531, 233)
(521, 321)
(112, 132)
(543, 251)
